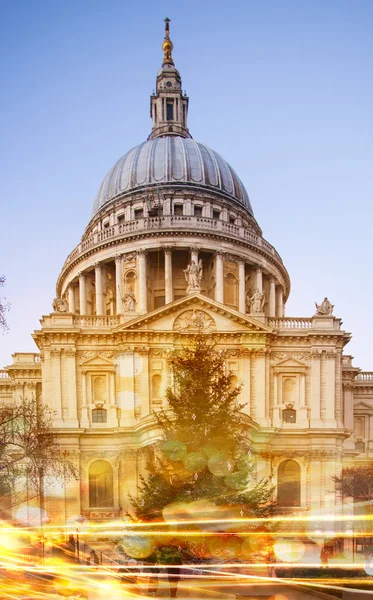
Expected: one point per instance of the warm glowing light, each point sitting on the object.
(32, 516)
(289, 550)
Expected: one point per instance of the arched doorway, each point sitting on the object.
(288, 483)
(101, 484)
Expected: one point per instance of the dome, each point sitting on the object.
(172, 160)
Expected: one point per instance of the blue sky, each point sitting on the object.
(283, 90)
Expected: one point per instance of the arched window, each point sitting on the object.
(99, 389)
(288, 483)
(99, 415)
(101, 484)
(156, 385)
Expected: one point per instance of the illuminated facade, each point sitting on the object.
(173, 245)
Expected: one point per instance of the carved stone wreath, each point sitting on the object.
(194, 321)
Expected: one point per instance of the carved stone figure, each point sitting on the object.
(325, 308)
(194, 320)
(257, 302)
(193, 276)
(129, 301)
(60, 305)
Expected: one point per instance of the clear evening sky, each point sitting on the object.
(283, 90)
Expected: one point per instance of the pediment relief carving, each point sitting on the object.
(290, 365)
(193, 321)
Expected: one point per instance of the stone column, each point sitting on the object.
(168, 275)
(272, 297)
(143, 292)
(99, 290)
(219, 284)
(241, 287)
(259, 279)
(71, 298)
(280, 302)
(118, 284)
(82, 294)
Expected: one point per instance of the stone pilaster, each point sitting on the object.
(316, 389)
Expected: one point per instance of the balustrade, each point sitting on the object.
(4, 374)
(289, 323)
(171, 222)
(365, 376)
(96, 321)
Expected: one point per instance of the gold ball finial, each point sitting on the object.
(167, 45)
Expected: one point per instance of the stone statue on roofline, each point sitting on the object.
(325, 308)
(256, 302)
(129, 301)
(193, 276)
(59, 305)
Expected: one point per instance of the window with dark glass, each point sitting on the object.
(139, 213)
(215, 214)
(159, 301)
(120, 218)
(232, 220)
(99, 415)
(170, 111)
(178, 209)
(198, 211)
(289, 415)
(360, 446)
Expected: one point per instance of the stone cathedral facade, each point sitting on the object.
(173, 244)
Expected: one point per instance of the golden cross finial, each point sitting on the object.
(167, 45)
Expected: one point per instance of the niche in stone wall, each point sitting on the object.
(359, 427)
(99, 389)
(289, 390)
(156, 386)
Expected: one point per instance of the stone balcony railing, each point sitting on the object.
(365, 376)
(195, 224)
(289, 323)
(4, 374)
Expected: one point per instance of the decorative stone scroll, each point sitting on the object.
(194, 321)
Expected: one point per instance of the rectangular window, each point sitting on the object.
(198, 211)
(216, 214)
(170, 111)
(139, 213)
(120, 218)
(178, 209)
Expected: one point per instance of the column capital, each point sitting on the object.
(258, 268)
(168, 249)
(97, 264)
(272, 279)
(118, 257)
(219, 253)
(194, 249)
(141, 252)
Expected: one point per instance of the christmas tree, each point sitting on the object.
(202, 472)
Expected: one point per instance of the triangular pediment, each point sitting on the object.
(96, 361)
(185, 314)
(290, 363)
(363, 406)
